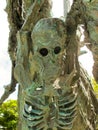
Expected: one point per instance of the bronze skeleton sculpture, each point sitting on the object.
(55, 91)
(53, 99)
(52, 103)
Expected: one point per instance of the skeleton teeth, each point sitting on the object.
(38, 89)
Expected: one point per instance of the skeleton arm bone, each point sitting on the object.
(35, 7)
(13, 10)
(7, 92)
(9, 89)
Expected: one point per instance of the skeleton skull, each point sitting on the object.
(48, 38)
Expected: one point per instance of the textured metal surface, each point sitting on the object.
(49, 102)
(55, 112)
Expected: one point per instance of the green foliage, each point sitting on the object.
(97, 123)
(95, 86)
(9, 115)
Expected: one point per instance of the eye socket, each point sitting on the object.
(43, 52)
(57, 50)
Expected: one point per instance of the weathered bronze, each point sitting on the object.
(55, 92)
(50, 96)
(53, 99)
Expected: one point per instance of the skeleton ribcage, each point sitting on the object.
(67, 111)
(50, 112)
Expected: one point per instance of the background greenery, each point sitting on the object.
(9, 115)
(95, 86)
